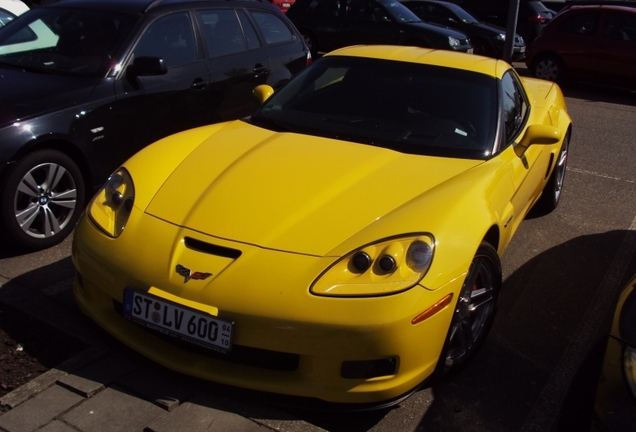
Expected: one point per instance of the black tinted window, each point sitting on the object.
(64, 40)
(171, 38)
(584, 23)
(273, 29)
(222, 32)
(250, 33)
(620, 26)
(407, 107)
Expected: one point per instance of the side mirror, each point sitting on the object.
(538, 135)
(262, 92)
(149, 66)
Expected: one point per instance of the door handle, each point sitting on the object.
(198, 84)
(259, 69)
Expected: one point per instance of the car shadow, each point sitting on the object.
(540, 364)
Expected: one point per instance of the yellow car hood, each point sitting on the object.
(292, 192)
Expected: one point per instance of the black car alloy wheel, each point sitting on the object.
(42, 197)
(475, 309)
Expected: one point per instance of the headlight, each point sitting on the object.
(454, 42)
(111, 207)
(381, 268)
(629, 368)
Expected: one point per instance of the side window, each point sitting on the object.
(359, 10)
(514, 105)
(170, 37)
(250, 32)
(273, 29)
(222, 32)
(325, 7)
(620, 27)
(584, 23)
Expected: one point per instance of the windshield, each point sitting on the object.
(60, 40)
(399, 12)
(462, 14)
(407, 107)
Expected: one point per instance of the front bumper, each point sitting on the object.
(286, 340)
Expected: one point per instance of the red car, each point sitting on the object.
(596, 43)
(283, 5)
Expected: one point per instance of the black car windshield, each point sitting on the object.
(399, 12)
(60, 40)
(407, 107)
(462, 14)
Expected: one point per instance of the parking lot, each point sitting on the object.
(538, 369)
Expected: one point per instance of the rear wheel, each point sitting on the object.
(474, 311)
(549, 67)
(42, 197)
(310, 41)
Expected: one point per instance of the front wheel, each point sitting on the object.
(481, 47)
(42, 197)
(474, 311)
(549, 67)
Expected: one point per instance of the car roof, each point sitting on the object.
(444, 58)
(134, 6)
(568, 10)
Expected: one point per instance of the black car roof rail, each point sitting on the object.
(155, 3)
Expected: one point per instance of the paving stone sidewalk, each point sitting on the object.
(108, 388)
(101, 390)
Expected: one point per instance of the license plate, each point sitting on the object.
(286, 5)
(198, 328)
(522, 49)
(469, 51)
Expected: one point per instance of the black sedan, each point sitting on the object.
(330, 24)
(487, 39)
(87, 83)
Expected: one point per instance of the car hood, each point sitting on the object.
(437, 28)
(26, 94)
(293, 192)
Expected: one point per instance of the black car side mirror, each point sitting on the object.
(148, 66)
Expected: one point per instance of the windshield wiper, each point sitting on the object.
(270, 123)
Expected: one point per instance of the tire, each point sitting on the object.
(480, 47)
(549, 67)
(42, 197)
(553, 189)
(311, 43)
(474, 310)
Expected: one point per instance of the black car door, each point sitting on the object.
(150, 107)
(235, 59)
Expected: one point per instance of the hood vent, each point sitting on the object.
(208, 248)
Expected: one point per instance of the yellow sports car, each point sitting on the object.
(343, 243)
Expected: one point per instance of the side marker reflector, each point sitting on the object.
(433, 309)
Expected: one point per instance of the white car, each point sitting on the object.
(9, 9)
